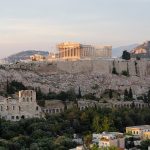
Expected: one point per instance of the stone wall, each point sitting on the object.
(139, 68)
(135, 68)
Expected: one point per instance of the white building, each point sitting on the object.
(24, 107)
(107, 139)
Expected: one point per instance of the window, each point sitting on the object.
(22, 117)
(13, 107)
(7, 108)
(19, 108)
(17, 117)
(12, 117)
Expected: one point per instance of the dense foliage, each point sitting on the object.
(14, 86)
(56, 132)
(126, 55)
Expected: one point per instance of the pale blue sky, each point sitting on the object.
(40, 24)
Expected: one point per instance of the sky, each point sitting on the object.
(41, 24)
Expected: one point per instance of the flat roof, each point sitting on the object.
(140, 126)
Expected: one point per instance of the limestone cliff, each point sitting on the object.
(62, 76)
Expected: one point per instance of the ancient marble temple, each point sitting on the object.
(76, 51)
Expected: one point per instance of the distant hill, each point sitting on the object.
(117, 52)
(24, 55)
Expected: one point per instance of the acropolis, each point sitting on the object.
(71, 51)
(77, 51)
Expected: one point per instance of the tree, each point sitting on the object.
(130, 94)
(39, 94)
(71, 95)
(136, 67)
(126, 55)
(96, 124)
(125, 73)
(145, 144)
(114, 71)
(126, 94)
(133, 105)
(88, 140)
(105, 124)
(148, 98)
(14, 86)
(79, 93)
(110, 94)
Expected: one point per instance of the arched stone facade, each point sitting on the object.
(24, 107)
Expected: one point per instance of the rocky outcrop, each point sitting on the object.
(62, 76)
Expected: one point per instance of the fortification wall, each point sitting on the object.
(101, 66)
(135, 68)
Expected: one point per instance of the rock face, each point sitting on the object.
(61, 76)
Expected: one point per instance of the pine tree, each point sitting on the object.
(126, 55)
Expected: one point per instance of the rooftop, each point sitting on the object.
(140, 127)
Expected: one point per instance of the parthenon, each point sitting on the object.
(76, 51)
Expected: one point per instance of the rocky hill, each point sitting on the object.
(24, 55)
(89, 76)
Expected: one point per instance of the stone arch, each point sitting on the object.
(22, 117)
(17, 117)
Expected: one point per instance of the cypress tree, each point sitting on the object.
(130, 94)
(79, 93)
(126, 94)
(110, 94)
